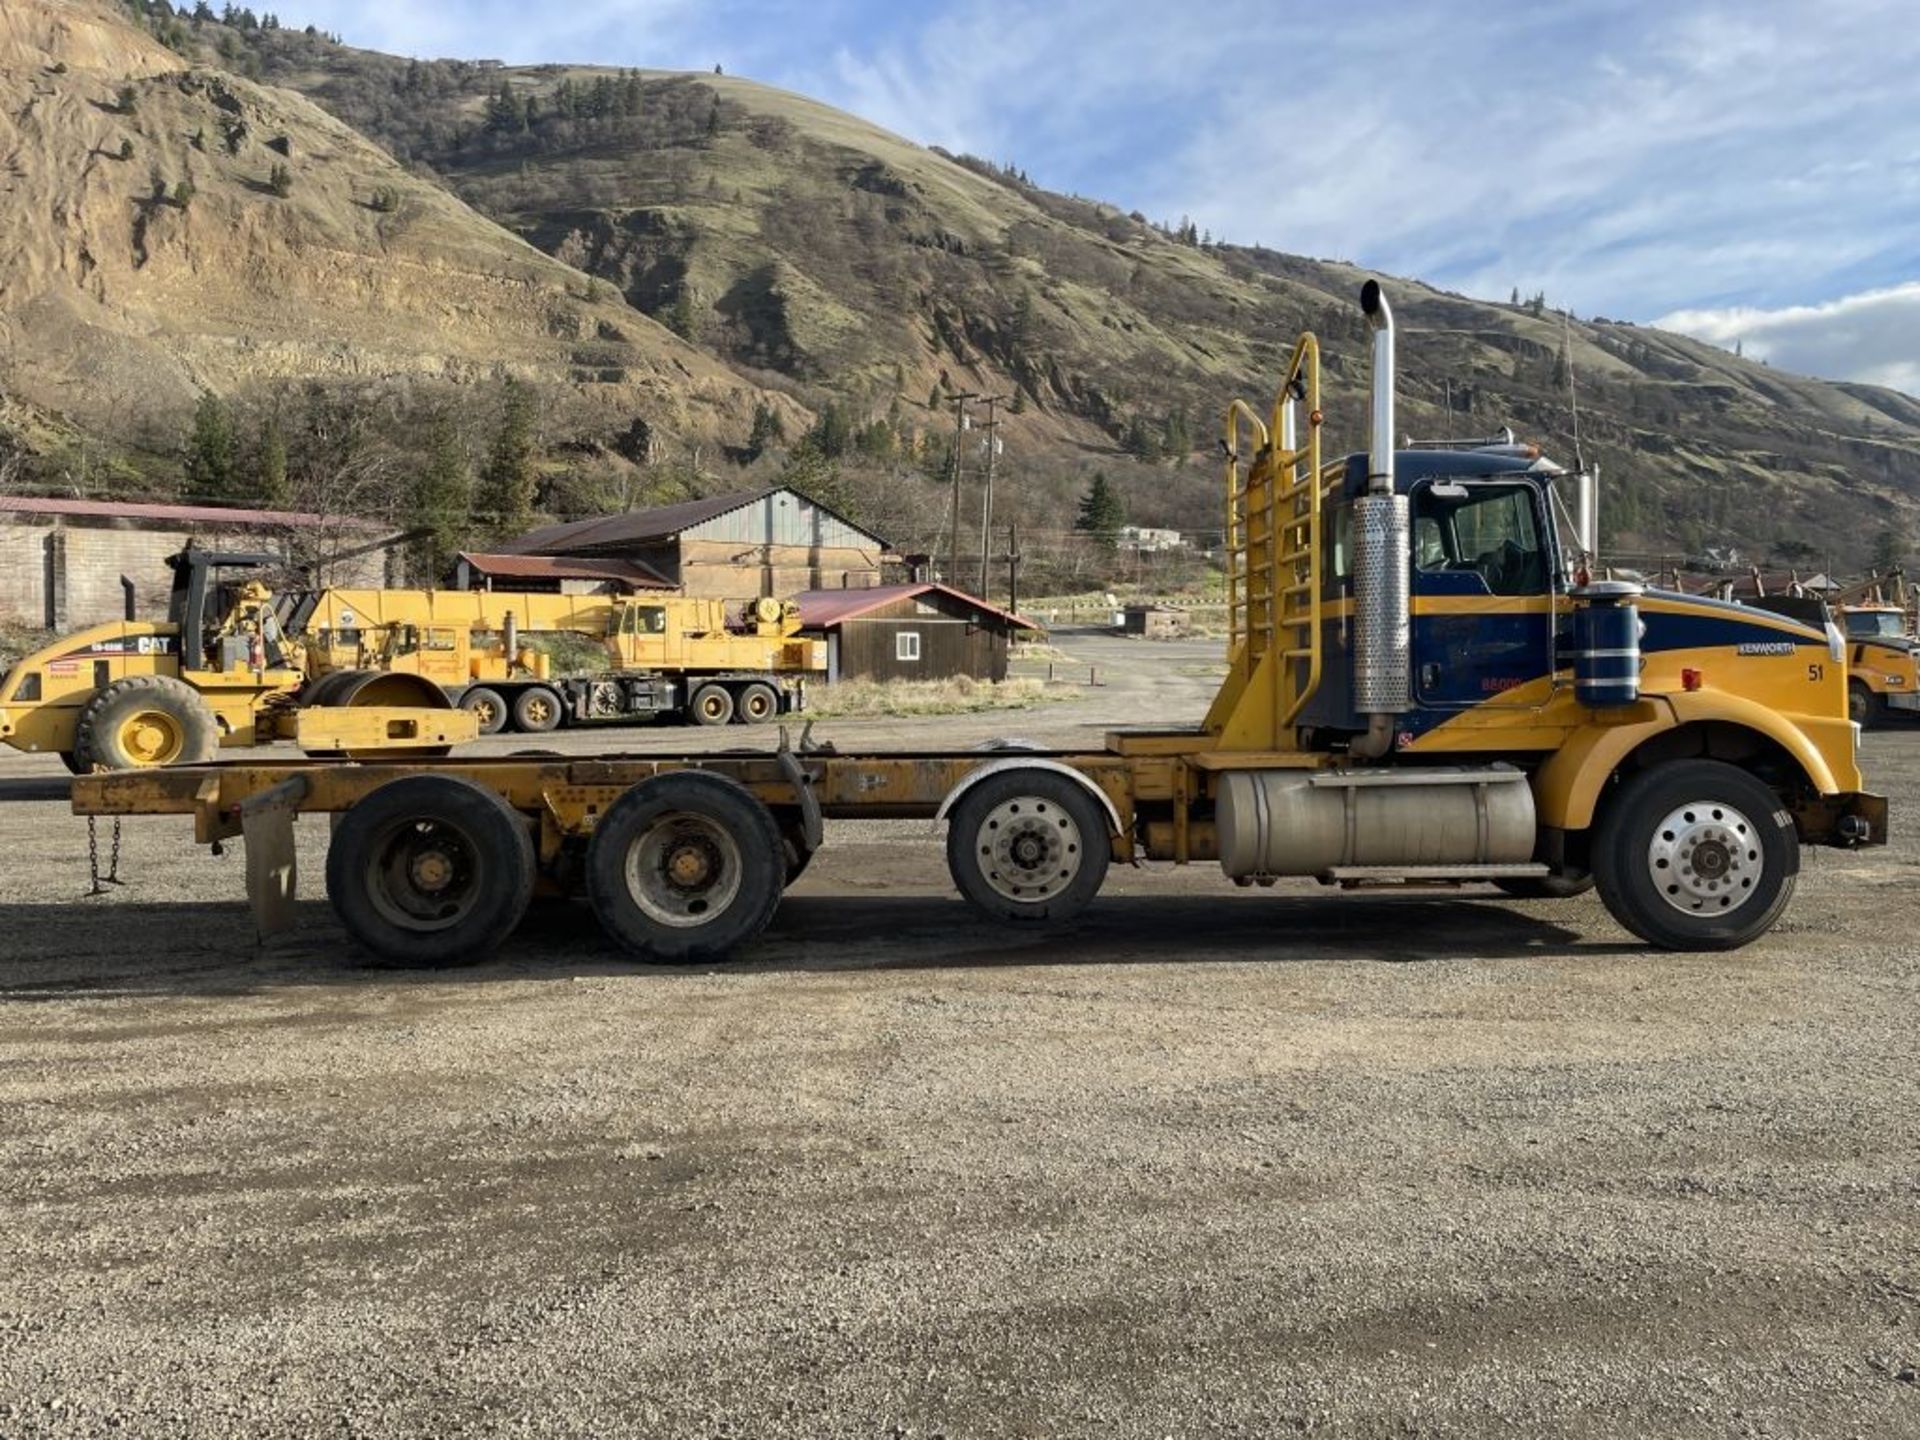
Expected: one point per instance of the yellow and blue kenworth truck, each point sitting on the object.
(1427, 685)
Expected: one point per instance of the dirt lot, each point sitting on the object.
(1214, 1162)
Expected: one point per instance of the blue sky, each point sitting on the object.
(1741, 169)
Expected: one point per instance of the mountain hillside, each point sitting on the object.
(148, 252)
(811, 267)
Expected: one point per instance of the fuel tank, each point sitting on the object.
(1285, 822)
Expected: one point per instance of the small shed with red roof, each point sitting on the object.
(923, 631)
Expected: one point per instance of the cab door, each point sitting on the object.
(1483, 583)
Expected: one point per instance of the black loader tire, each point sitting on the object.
(142, 722)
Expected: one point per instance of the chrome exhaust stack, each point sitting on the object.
(1382, 526)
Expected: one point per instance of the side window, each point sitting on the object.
(906, 645)
(1341, 561)
(652, 619)
(1481, 532)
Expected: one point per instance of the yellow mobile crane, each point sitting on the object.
(665, 655)
(1424, 687)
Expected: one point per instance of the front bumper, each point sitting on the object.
(1847, 819)
(1908, 700)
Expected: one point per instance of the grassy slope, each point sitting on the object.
(818, 254)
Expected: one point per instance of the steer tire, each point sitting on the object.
(430, 870)
(144, 722)
(1696, 855)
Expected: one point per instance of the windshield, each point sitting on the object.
(1880, 624)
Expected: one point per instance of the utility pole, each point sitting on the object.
(959, 428)
(1013, 568)
(986, 498)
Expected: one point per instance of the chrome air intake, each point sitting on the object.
(1382, 608)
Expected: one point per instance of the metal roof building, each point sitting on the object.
(66, 563)
(924, 631)
(736, 546)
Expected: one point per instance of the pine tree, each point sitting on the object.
(767, 428)
(504, 498)
(270, 476)
(209, 450)
(1889, 550)
(441, 510)
(1102, 512)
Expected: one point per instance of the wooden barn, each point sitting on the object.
(923, 631)
(739, 546)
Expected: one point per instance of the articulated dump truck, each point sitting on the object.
(1426, 685)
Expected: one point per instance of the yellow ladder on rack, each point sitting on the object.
(1274, 497)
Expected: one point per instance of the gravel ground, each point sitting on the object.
(1213, 1162)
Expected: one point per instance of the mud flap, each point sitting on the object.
(273, 872)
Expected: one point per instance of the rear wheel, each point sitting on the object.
(487, 707)
(710, 705)
(1030, 847)
(685, 867)
(430, 870)
(757, 704)
(1696, 855)
(142, 722)
(536, 711)
(74, 764)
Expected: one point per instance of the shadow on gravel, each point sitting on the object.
(54, 951)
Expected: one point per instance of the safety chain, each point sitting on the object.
(112, 877)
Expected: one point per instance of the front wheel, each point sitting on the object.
(1028, 846)
(1696, 855)
(1864, 708)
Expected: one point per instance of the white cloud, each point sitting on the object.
(1872, 337)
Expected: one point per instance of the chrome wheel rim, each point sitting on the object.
(1706, 858)
(1029, 849)
(684, 871)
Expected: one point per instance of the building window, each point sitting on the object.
(906, 645)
